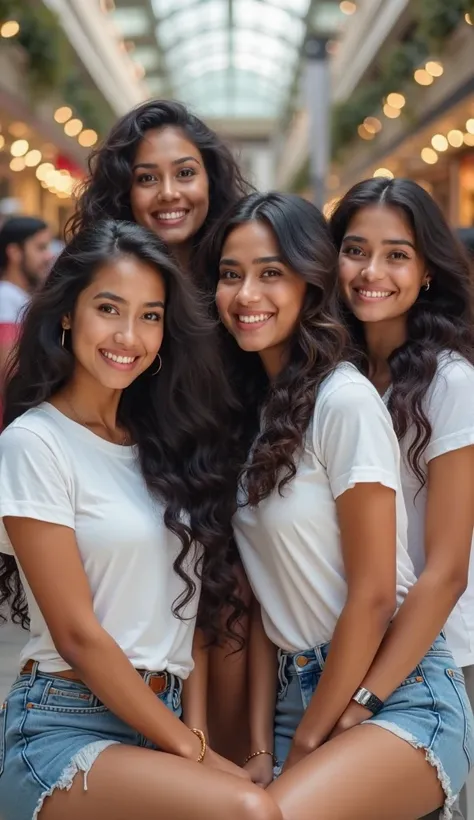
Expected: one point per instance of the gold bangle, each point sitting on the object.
(257, 754)
(202, 737)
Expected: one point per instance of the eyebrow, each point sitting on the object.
(261, 260)
(152, 165)
(354, 238)
(119, 299)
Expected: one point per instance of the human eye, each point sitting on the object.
(271, 273)
(110, 309)
(352, 250)
(398, 255)
(187, 173)
(143, 179)
(228, 274)
(153, 317)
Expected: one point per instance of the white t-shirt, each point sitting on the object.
(12, 302)
(52, 469)
(290, 545)
(449, 406)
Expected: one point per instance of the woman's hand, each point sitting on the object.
(216, 761)
(353, 716)
(260, 769)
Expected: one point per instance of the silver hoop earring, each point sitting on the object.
(155, 373)
(427, 286)
(63, 337)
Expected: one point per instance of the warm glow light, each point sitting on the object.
(455, 138)
(348, 7)
(396, 100)
(43, 170)
(469, 139)
(87, 138)
(63, 114)
(470, 126)
(19, 148)
(468, 19)
(17, 164)
(364, 133)
(422, 77)
(383, 172)
(73, 128)
(18, 129)
(429, 156)
(440, 142)
(10, 29)
(434, 68)
(2, 141)
(372, 125)
(33, 158)
(390, 112)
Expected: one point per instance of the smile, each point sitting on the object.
(170, 216)
(117, 361)
(374, 294)
(252, 321)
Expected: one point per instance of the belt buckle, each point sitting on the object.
(158, 682)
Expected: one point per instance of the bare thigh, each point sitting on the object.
(127, 782)
(363, 774)
(228, 691)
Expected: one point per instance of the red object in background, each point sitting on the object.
(63, 163)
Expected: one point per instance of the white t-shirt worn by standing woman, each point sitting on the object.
(449, 407)
(54, 470)
(291, 545)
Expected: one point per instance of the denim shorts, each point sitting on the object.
(51, 729)
(430, 710)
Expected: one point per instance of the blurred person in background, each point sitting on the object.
(25, 259)
(407, 288)
(164, 168)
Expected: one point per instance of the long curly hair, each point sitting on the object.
(277, 414)
(179, 419)
(106, 191)
(441, 319)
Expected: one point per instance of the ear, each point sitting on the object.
(66, 322)
(427, 279)
(14, 253)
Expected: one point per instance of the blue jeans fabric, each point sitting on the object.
(430, 710)
(50, 729)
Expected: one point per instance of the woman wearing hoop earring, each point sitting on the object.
(103, 472)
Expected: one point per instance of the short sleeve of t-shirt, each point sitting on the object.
(354, 438)
(450, 407)
(32, 482)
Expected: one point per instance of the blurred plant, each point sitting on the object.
(50, 61)
(436, 20)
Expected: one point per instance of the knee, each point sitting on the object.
(256, 804)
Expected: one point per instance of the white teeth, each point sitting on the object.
(172, 215)
(118, 359)
(375, 294)
(257, 317)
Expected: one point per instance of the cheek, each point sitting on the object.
(347, 271)
(223, 301)
(138, 200)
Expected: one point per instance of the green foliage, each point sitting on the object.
(436, 21)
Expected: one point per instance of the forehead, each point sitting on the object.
(251, 239)
(162, 145)
(379, 222)
(39, 238)
(130, 278)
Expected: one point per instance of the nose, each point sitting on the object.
(167, 191)
(373, 270)
(126, 336)
(249, 292)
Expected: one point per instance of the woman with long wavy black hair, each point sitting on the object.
(116, 493)
(321, 529)
(407, 288)
(164, 168)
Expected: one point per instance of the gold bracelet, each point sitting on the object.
(202, 737)
(257, 754)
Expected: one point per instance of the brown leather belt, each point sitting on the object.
(158, 681)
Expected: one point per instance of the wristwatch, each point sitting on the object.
(369, 700)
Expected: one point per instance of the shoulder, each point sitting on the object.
(36, 430)
(454, 380)
(346, 388)
(12, 300)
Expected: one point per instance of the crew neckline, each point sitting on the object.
(121, 450)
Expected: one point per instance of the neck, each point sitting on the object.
(182, 255)
(15, 276)
(273, 360)
(381, 339)
(93, 404)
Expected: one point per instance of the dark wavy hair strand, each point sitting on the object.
(178, 419)
(441, 319)
(277, 414)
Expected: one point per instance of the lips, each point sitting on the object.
(119, 361)
(170, 217)
(252, 321)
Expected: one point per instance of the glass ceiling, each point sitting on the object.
(228, 58)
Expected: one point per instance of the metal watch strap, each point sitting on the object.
(369, 700)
